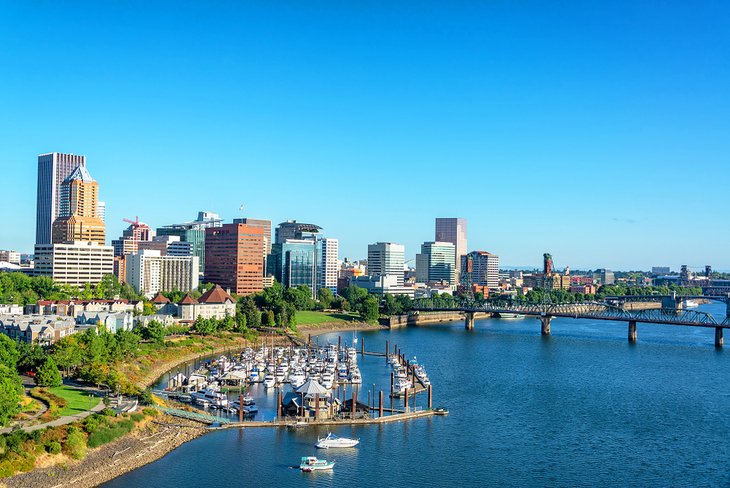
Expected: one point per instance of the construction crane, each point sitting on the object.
(135, 223)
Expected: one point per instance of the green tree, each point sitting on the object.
(369, 308)
(9, 354)
(31, 356)
(240, 322)
(354, 295)
(10, 390)
(268, 319)
(48, 374)
(325, 297)
(247, 306)
(67, 353)
(154, 332)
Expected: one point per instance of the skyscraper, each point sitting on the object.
(233, 257)
(327, 267)
(53, 169)
(262, 224)
(294, 263)
(452, 230)
(193, 232)
(435, 263)
(78, 216)
(480, 268)
(386, 258)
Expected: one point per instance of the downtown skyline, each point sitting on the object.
(444, 116)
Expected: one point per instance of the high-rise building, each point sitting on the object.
(233, 257)
(435, 263)
(452, 230)
(387, 258)
(101, 211)
(480, 268)
(294, 263)
(193, 232)
(53, 169)
(74, 263)
(78, 218)
(291, 229)
(149, 272)
(131, 237)
(12, 257)
(262, 224)
(168, 246)
(327, 265)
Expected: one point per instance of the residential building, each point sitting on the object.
(75, 263)
(11, 309)
(111, 321)
(452, 230)
(233, 257)
(294, 263)
(480, 268)
(215, 303)
(36, 329)
(74, 308)
(193, 232)
(77, 219)
(149, 272)
(328, 263)
(387, 258)
(53, 169)
(12, 257)
(435, 263)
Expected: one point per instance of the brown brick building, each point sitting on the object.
(234, 258)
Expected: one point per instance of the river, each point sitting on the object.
(582, 407)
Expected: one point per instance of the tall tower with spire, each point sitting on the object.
(78, 218)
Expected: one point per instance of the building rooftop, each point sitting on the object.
(80, 173)
(215, 295)
(188, 300)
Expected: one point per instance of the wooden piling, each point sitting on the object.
(392, 382)
(406, 399)
(362, 346)
(387, 350)
(380, 404)
(430, 397)
(339, 344)
(278, 405)
(354, 401)
(240, 408)
(316, 406)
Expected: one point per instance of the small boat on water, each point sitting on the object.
(332, 441)
(441, 411)
(311, 463)
(507, 315)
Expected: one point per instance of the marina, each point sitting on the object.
(310, 384)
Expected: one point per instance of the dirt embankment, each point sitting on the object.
(141, 447)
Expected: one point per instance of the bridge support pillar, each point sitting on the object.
(727, 307)
(545, 325)
(632, 331)
(469, 320)
(719, 341)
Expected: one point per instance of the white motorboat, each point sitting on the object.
(269, 381)
(327, 380)
(332, 441)
(210, 397)
(355, 376)
(311, 463)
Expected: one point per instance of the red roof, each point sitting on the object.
(216, 295)
(160, 298)
(188, 300)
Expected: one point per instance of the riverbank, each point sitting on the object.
(312, 330)
(143, 446)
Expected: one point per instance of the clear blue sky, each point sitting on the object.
(599, 132)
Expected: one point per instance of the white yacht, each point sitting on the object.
(327, 380)
(210, 397)
(355, 376)
(269, 381)
(332, 441)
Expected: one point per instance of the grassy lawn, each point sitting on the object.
(78, 400)
(308, 317)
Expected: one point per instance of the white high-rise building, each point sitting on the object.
(101, 210)
(328, 263)
(452, 230)
(74, 263)
(150, 272)
(387, 258)
(53, 169)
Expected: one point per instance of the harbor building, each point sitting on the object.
(74, 263)
(78, 218)
(387, 258)
(149, 272)
(233, 257)
(194, 232)
(452, 230)
(53, 169)
(435, 263)
(480, 268)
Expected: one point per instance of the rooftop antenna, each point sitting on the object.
(240, 209)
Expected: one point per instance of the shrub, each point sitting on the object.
(108, 412)
(91, 423)
(107, 434)
(137, 417)
(75, 443)
(152, 412)
(53, 447)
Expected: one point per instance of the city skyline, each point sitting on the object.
(612, 154)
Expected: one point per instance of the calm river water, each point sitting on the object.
(582, 407)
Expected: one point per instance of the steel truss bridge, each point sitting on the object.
(674, 315)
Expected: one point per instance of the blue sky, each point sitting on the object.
(597, 132)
